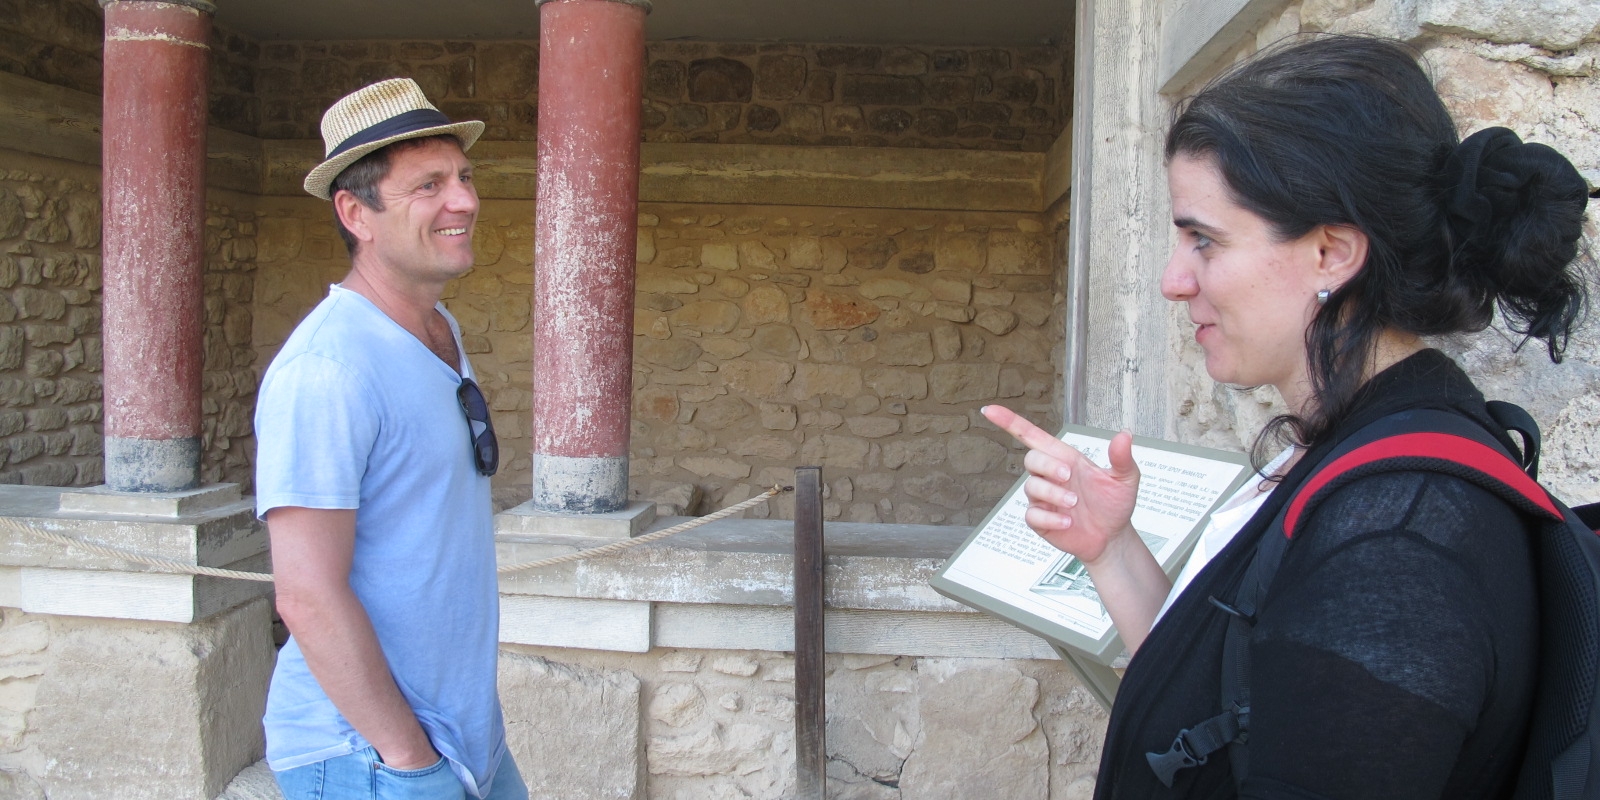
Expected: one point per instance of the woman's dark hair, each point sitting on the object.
(1348, 130)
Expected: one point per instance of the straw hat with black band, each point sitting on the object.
(378, 115)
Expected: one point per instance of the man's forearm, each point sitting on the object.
(311, 555)
(340, 648)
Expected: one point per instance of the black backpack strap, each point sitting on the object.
(1195, 745)
(1514, 418)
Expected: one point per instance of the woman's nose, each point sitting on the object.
(1177, 280)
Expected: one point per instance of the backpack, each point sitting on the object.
(1561, 760)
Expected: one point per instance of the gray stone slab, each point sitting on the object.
(105, 500)
(525, 520)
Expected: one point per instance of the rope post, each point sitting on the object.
(810, 718)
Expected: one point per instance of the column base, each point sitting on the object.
(152, 465)
(580, 485)
(528, 520)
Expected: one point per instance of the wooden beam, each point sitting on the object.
(810, 644)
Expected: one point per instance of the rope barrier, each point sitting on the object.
(178, 567)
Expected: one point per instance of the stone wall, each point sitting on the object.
(50, 403)
(863, 341)
(228, 378)
(1492, 63)
(60, 43)
(24, 642)
(720, 724)
(50, 337)
(866, 96)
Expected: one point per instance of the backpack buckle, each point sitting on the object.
(1166, 765)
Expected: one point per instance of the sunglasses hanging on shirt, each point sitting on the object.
(480, 429)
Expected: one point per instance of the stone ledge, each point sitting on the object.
(728, 585)
(40, 576)
(745, 562)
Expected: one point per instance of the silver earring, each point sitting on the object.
(1322, 297)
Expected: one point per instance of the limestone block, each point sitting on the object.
(720, 80)
(898, 383)
(720, 255)
(1017, 253)
(1551, 24)
(760, 378)
(874, 253)
(805, 252)
(951, 312)
(923, 451)
(676, 499)
(767, 446)
(961, 383)
(712, 749)
(960, 252)
(573, 731)
(937, 488)
(675, 354)
(835, 311)
(974, 455)
(778, 416)
(979, 737)
(756, 255)
(906, 349)
(720, 466)
(707, 316)
(39, 304)
(997, 321)
(936, 423)
(645, 248)
(732, 287)
(1573, 470)
(617, 625)
(765, 305)
(83, 220)
(108, 679)
(811, 380)
(12, 219)
(1480, 92)
(872, 718)
(722, 412)
(839, 452)
(873, 427)
(885, 287)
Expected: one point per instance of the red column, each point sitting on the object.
(157, 59)
(591, 68)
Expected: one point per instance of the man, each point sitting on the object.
(372, 474)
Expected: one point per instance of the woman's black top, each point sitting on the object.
(1394, 656)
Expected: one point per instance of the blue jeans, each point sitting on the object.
(361, 776)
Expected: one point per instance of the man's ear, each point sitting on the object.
(1343, 252)
(353, 214)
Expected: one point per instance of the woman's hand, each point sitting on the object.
(1087, 511)
(1076, 505)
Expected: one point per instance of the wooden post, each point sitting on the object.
(810, 662)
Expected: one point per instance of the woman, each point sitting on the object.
(1328, 218)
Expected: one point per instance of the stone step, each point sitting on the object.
(252, 783)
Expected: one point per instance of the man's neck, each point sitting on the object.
(411, 306)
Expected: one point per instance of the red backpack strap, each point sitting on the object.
(1425, 441)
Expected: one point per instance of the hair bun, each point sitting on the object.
(1515, 214)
